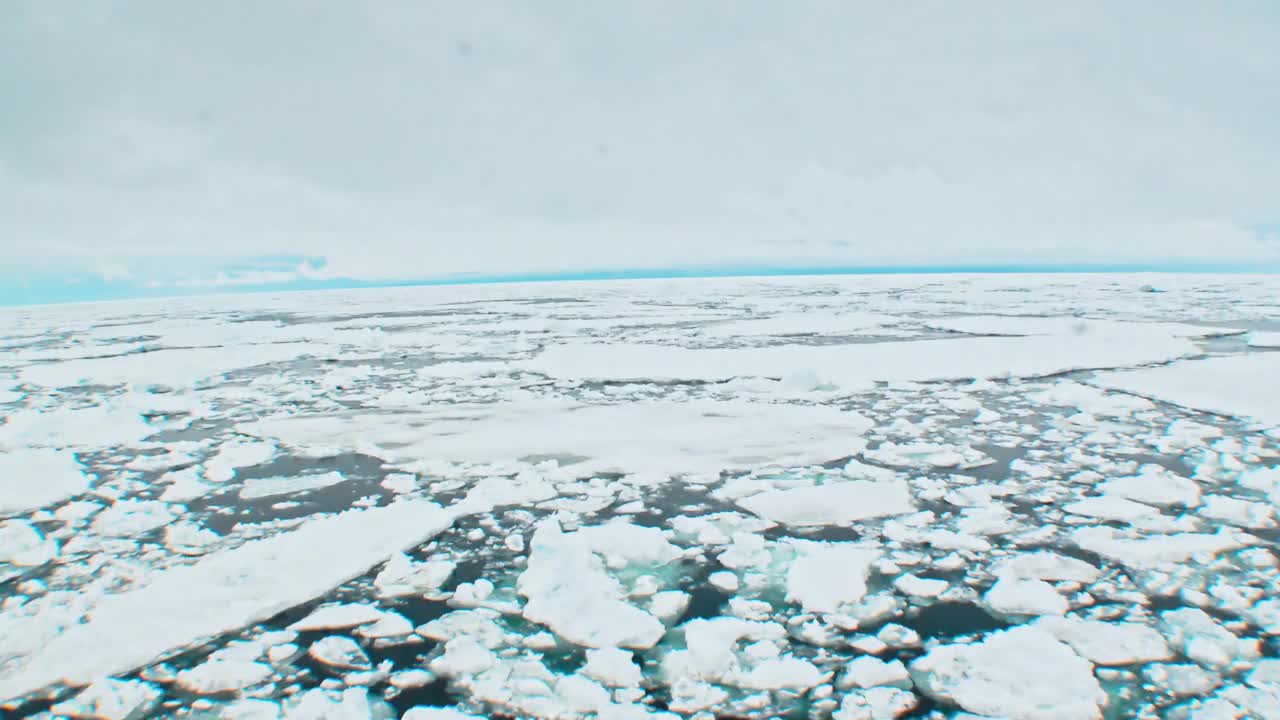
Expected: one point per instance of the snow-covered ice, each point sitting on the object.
(863, 497)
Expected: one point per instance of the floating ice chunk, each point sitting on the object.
(250, 710)
(339, 652)
(1264, 339)
(22, 544)
(1239, 385)
(924, 455)
(338, 617)
(32, 479)
(824, 576)
(712, 654)
(184, 485)
(130, 518)
(189, 539)
(403, 576)
(1241, 513)
(1197, 635)
(258, 488)
(422, 712)
(717, 528)
(1154, 485)
(479, 624)
(1014, 597)
(225, 591)
(92, 428)
(783, 673)
(869, 672)
(569, 590)
(390, 625)
(919, 587)
(1155, 550)
(1108, 643)
(724, 580)
(835, 503)
(170, 367)
(234, 456)
(668, 605)
(1074, 327)
(1091, 400)
(1105, 507)
(218, 676)
(612, 667)
(463, 655)
(1182, 680)
(413, 678)
(880, 703)
(111, 699)
(400, 483)
(1021, 674)
(860, 365)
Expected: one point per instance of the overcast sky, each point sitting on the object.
(415, 139)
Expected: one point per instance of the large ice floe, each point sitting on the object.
(857, 498)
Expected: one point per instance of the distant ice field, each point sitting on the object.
(858, 497)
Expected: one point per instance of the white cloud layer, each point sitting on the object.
(412, 139)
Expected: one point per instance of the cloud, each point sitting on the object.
(427, 139)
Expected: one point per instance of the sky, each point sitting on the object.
(149, 146)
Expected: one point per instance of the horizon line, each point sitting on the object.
(94, 289)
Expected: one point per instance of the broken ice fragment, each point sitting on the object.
(340, 653)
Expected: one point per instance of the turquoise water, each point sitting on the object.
(45, 288)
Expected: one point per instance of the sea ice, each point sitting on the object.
(1240, 385)
(824, 576)
(833, 503)
(1021, 674)
(569, 589)
(32, 479)
(1108, 643)
(224, 591)
(338, 617)
(111, 699)
(258, 488)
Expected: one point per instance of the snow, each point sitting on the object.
(338, 617)
(1012, 596)
(1198, 636)
(1264, 339)
(339, 652)
(833, 503)
(258, 488)
(825, 576)
(22, 544)
(1045, 565)
(1022, 674)
(422, 712)
(859, 366)
(1154, 485)
(32, 479)
(1154, 550)
(225, 591)
(613, 667)
(568, 588)
(919, 587)
(218, 676)
(1240, 385)
(130, 518)
(171, 367)
(111, 699)
(1108, 643)
(868, 672)
(1074, 326)
(1091, 400)
(234, 456)
(89, 428)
